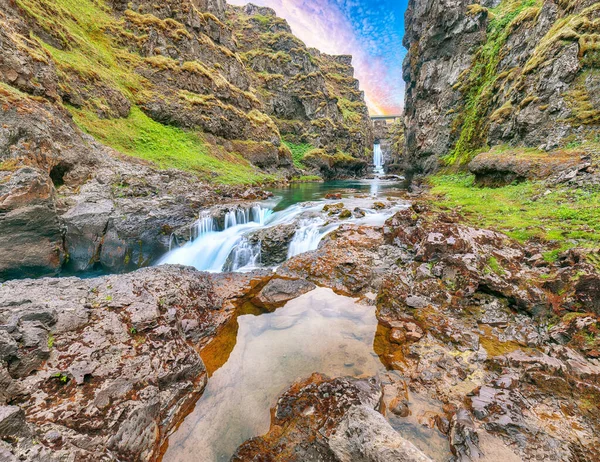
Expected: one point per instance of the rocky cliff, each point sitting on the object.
(312, 97)
(500, 72)
(121, 119)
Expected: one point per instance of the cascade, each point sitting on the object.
(230, 249)
(378, 159)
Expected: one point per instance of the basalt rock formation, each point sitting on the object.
(487, 73)
(312, 97)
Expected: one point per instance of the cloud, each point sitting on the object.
(368, 30)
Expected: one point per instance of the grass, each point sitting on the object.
(298, 152)
(525, 211)
(88, 50)
(167, 147)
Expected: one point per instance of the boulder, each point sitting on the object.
(504, 167)
(364, 435)
(306, 416)
(279, 291)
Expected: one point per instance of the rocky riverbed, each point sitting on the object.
(486, 351)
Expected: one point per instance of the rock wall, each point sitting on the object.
(312, 97)
(480, 74)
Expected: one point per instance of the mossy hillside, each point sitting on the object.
(299, 150)
(167, 147)
(328, 110)
(561, 217)
(492, 94)
(101, 75)
(82, 49)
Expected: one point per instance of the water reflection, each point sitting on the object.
(318, 332)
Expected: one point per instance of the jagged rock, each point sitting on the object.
(279, 291)
(306, 416)
(275, 242)
(115, 357)
(365, 436)
(450, 103)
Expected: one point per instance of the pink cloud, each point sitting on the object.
(324, 26)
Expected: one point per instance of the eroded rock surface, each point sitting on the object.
(101, 369)
(329, 420)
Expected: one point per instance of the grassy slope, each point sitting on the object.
(95, 57)
(166, 146)
(562, 217)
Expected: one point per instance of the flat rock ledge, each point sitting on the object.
(101, 369)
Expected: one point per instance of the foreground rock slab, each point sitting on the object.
(330, 420)
(101, 369)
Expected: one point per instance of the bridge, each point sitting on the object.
(385, 117)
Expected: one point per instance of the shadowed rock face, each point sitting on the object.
(497, 73)
(102, 368)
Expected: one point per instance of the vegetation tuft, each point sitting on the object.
(167, 147)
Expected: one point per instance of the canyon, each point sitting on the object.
(210, 251)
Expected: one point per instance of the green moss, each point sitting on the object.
(166, 146)
(298, 152)
(479, 87)
(566, 217)
(87, 50)
(495, 266)
(350, 110)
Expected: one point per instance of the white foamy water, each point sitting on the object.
(378, 159)
(216, 247)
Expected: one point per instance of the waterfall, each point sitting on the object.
(244, 255)
(229, 247)
(378, 159)
(210, 248)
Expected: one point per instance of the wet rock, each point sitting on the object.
(365, 436)
(279, 291)
(333, 208)
(30, 230)
(306, 416)
(345, 214)
(358, 213)
(275, 242)
(333, 196)
(463, 437)
(344, 261)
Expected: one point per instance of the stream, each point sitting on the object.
(226, 243)
(258, 355)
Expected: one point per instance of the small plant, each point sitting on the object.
(495, 266)
(62, 378)
(133, 331)
(50, 341)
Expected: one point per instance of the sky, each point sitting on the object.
(369, 30)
